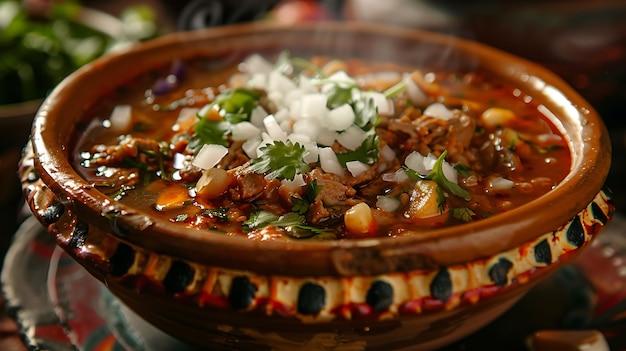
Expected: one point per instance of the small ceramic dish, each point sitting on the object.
(416, 291)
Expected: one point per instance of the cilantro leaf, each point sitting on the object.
(339, 95)
(300, 206)
(312, 189)
(209, 132)
(291, 221)
(367, 153)
(464, 170)
(282, 160)
(462, 213)
(438, 177)
(236, 106)
(366, 113)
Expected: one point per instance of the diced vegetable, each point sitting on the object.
(424, 202)
(213, 183)
(209, 155)
(359, 220)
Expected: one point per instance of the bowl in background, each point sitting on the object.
(228, 292)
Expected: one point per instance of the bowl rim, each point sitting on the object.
(442, 246)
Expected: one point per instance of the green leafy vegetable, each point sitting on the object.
(463, 170)
(237, 105)
(438, 177)
(209, 132)
(395, 89)
(262, 219)
(301, 205)
(367, 153)
(462, 213)
(282, 160)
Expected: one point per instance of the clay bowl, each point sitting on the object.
(228, 292)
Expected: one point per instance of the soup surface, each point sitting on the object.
(320, 148)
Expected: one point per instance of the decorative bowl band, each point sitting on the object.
(311, 299)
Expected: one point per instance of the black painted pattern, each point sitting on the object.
(499, 271)
(178, 277)
(380, 295)
(53, 213)
(311, 298)
(575, 233)
(441, 286)
(121, 260)
(543, 254)
(241, 292)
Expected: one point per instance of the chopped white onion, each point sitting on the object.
(279, 82)
(387, 153)
(273, 129)
(312, 152)
(340, 78)
(255, 63)
(258, 81)
(340, 118)
(244, 131)
(257, 115)
(329, 161)
(384, 105)
(387, 203)
(209, 155)
(418, 163)
(449, 172)
(275, 97)
(438, 110)
(415, 93)
(352, 137)
(309, 127)
(292, 96)
(398, 176)
(314, 106)
(305, 85)
(120, 118)
(299, 138)
(250, 146)
(500, 183)
(356, 168)
(297, 182)
(326, 137)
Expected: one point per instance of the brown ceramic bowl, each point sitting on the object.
(229, 292)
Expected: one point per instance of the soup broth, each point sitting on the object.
(288, 148)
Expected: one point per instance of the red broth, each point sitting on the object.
(310, 150)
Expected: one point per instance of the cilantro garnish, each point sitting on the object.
(283, 160)
(366, 113)
(209, 132)
(262, 219)
(339, 95)
(395, 89)
(462, 213)
(464, 170)
(301, 205)
(237, 105)
(367, 152)
(438, 177)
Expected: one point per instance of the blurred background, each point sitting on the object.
(42, 41)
